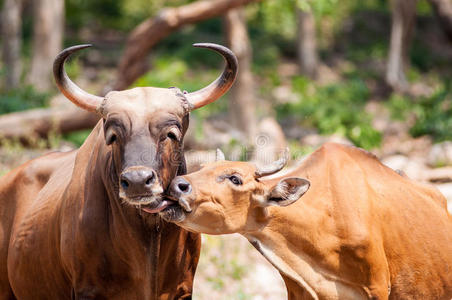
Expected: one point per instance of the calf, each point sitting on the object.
(355, 229)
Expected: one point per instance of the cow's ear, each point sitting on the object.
(287, 191)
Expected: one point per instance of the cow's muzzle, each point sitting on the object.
(139, 185)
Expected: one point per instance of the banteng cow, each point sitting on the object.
(359, 230)
(82, 225)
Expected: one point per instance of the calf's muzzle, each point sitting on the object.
(180, 186)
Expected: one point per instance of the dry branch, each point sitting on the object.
(28, 125)
(438, 175)
(146, 35)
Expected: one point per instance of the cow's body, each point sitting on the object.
(361, 231)
(66, 239)
(83, 225)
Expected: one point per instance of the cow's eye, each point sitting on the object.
(235, 180)
(111, 139)
(173, 134)
(110, 136)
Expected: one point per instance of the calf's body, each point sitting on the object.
(361, 231)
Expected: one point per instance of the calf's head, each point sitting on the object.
(225, 197)
(144, 127)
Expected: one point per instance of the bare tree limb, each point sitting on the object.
(30, 124)
(146, 35)
(439, 175)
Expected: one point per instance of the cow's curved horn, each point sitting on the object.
(221, 85)
(78, 96)
(274, 167)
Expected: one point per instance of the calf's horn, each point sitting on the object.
(78, 96)
(274, 167)
(221, 85)
(219, 155)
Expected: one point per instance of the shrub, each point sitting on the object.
(336, 108)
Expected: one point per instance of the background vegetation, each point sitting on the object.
(349, 98)
(353, 38)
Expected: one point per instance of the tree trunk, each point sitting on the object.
(241, 97)
(11, 42)
(47, 41)
(403, 18)
(133, 63)
(307, 43)
(443, 11)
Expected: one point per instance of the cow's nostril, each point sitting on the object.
(150, 179)
(124, 184)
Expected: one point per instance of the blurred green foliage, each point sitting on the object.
(350, 33)
(77, 137)
(433, 115)
(22, 98)
(334, 109)
(170, 71)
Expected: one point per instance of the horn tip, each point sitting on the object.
(82, 46)
(212, 46)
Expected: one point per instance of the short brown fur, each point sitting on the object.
(361, 231)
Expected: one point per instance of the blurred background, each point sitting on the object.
(376, 74)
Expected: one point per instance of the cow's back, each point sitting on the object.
(373, 226)
(407, 219)
(417, 234)
(19, 191)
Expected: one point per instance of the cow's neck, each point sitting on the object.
(272, 240)
(96, 174)
(292, 247)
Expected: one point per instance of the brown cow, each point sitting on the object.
(360, 231)
(71, 226)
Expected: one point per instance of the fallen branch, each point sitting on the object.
(146, 35)
(438, 175)
(38, 123)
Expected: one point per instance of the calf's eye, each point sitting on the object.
(235, 180)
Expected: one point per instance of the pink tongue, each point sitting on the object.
(159, 208)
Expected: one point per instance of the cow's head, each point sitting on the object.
(225, 197)
(145, 127)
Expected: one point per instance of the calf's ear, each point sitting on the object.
(287, 191)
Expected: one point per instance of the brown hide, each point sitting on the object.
(70, 236)
(361, 231)
(74, 226)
